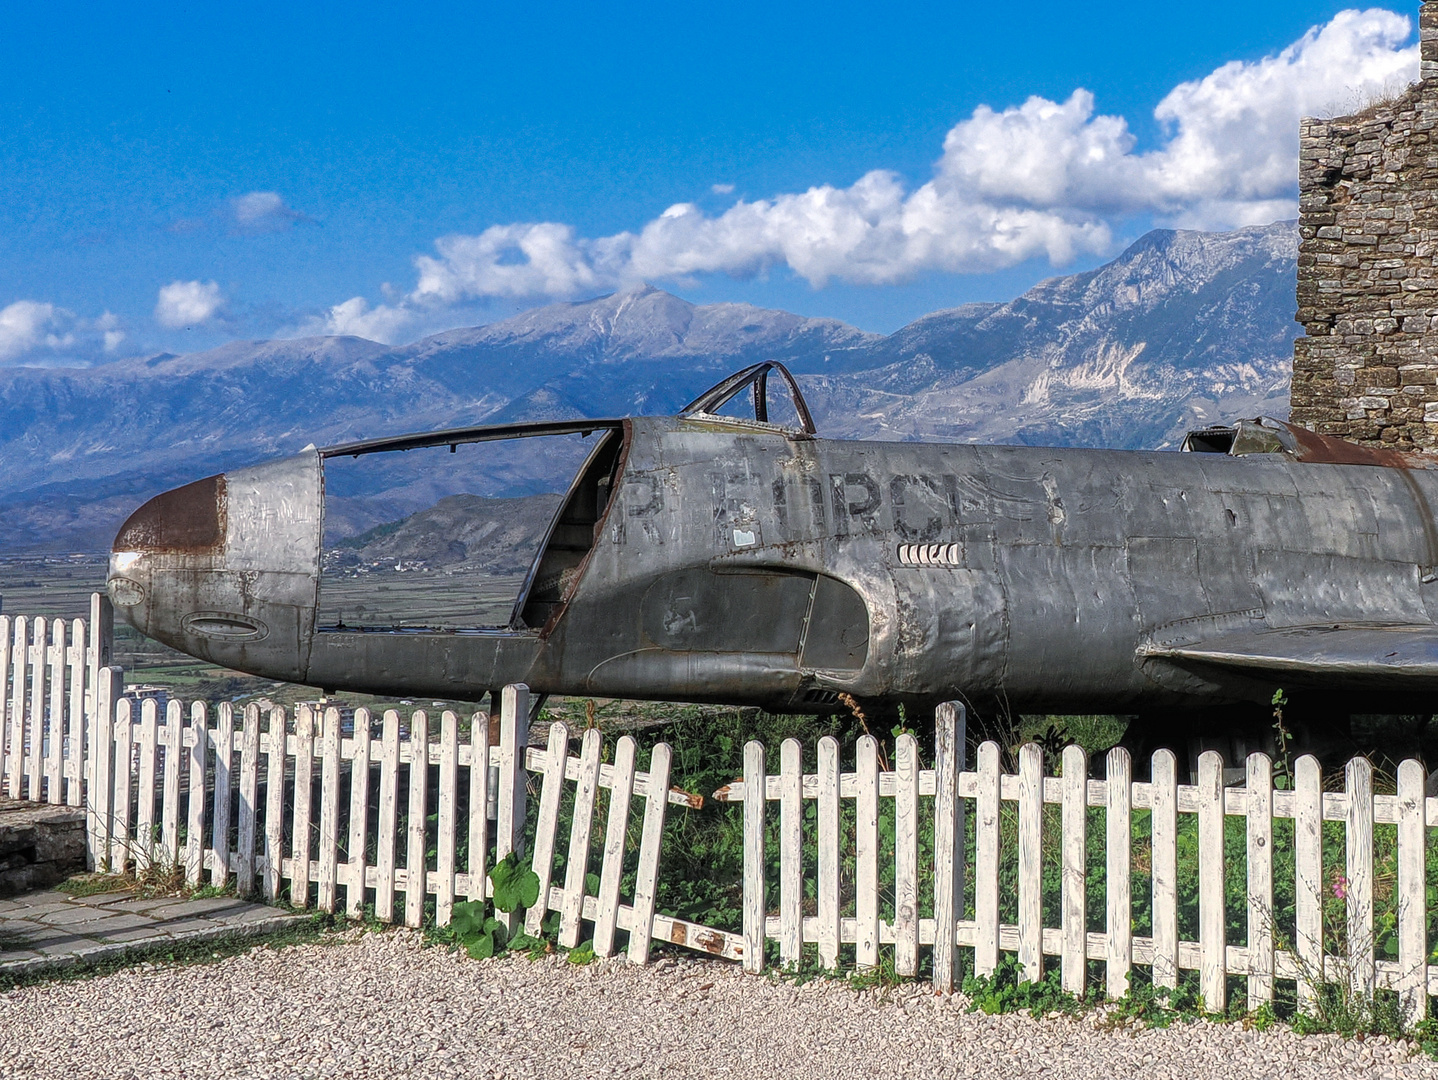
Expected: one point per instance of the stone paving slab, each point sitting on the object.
(47, 929)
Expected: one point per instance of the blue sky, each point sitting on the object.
(183, 175)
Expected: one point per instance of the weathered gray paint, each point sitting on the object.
(1062, 580)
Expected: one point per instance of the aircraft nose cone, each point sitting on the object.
(186, 521)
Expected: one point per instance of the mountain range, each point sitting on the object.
(1182, 330)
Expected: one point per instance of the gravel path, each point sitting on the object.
(379, 1005)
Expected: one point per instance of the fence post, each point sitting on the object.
(1074, 883)
(1259, 822)
(1360, 874)
(18, 645)
(866, 855)
(828, 862)
(513, 743)
(906, 856)
(1308, 870)
(100, 739)
(1118, 817)
(5, 657)
(755, 913)
(656, 803)
(1164, 847)
(1412, 892)
(100, 645)
(949, 736)
(1031, 820)
(1212, 943)
(195, 826)
(581, 826)
(791, 852)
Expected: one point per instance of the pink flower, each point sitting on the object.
(1340, 886)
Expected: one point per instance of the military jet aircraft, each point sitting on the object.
(712, 557)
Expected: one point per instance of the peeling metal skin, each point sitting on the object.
(738, 561)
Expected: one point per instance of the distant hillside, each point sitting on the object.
(1182, 329)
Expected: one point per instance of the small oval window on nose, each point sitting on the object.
(189, 520)
(224, 626)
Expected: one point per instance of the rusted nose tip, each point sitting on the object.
(189, 520)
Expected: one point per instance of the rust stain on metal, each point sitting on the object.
(189, 520)
(1326, 450)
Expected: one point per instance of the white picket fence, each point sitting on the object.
(49, 672)
(296, 822)
(950, 787)
(241, 787)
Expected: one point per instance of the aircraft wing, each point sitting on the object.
(1399, 656)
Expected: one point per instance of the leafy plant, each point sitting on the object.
(1004, 992)
(480, 933)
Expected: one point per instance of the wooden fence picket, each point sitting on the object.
(329, 809)
(144, 849)
(1031, 818)
(1412, 892)
(120, 800)
(275, 753)
(1212, 943)
(1118, 818)
(35, 662)
(866, 854)
(7, 741)
(512, 800)
(246, 819)
(55, 714)
(1163, 855)
(199, 740)
(300, 848)
(581, 820)
(18, 645)
(1259, 826)
(986, 861)
(74, 713)
(906, 856)
(1359, 887)
(1308, 874)
(100, 737)
(621, 792)
(547, 821)
(1073, 886)
(791, 852)
(445, 816)
(388, 817)
(827, 866)
(646, 883)
(479, 789)
(224, 740)
(173, 741)
(949, 738)
(358, 844)
(754, 915)
(415, 861)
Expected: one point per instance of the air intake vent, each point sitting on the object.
(821, 697)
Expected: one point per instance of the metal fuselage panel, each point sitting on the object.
(1023, 576)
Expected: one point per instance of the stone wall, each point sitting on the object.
(1368, 267)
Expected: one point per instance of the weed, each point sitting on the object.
(1005, 992)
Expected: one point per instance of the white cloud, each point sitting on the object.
(38, 334)
(27, 325)
(263, 211)
(1043, 179)
(722, 189)
(355, 317)
(187, 303)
